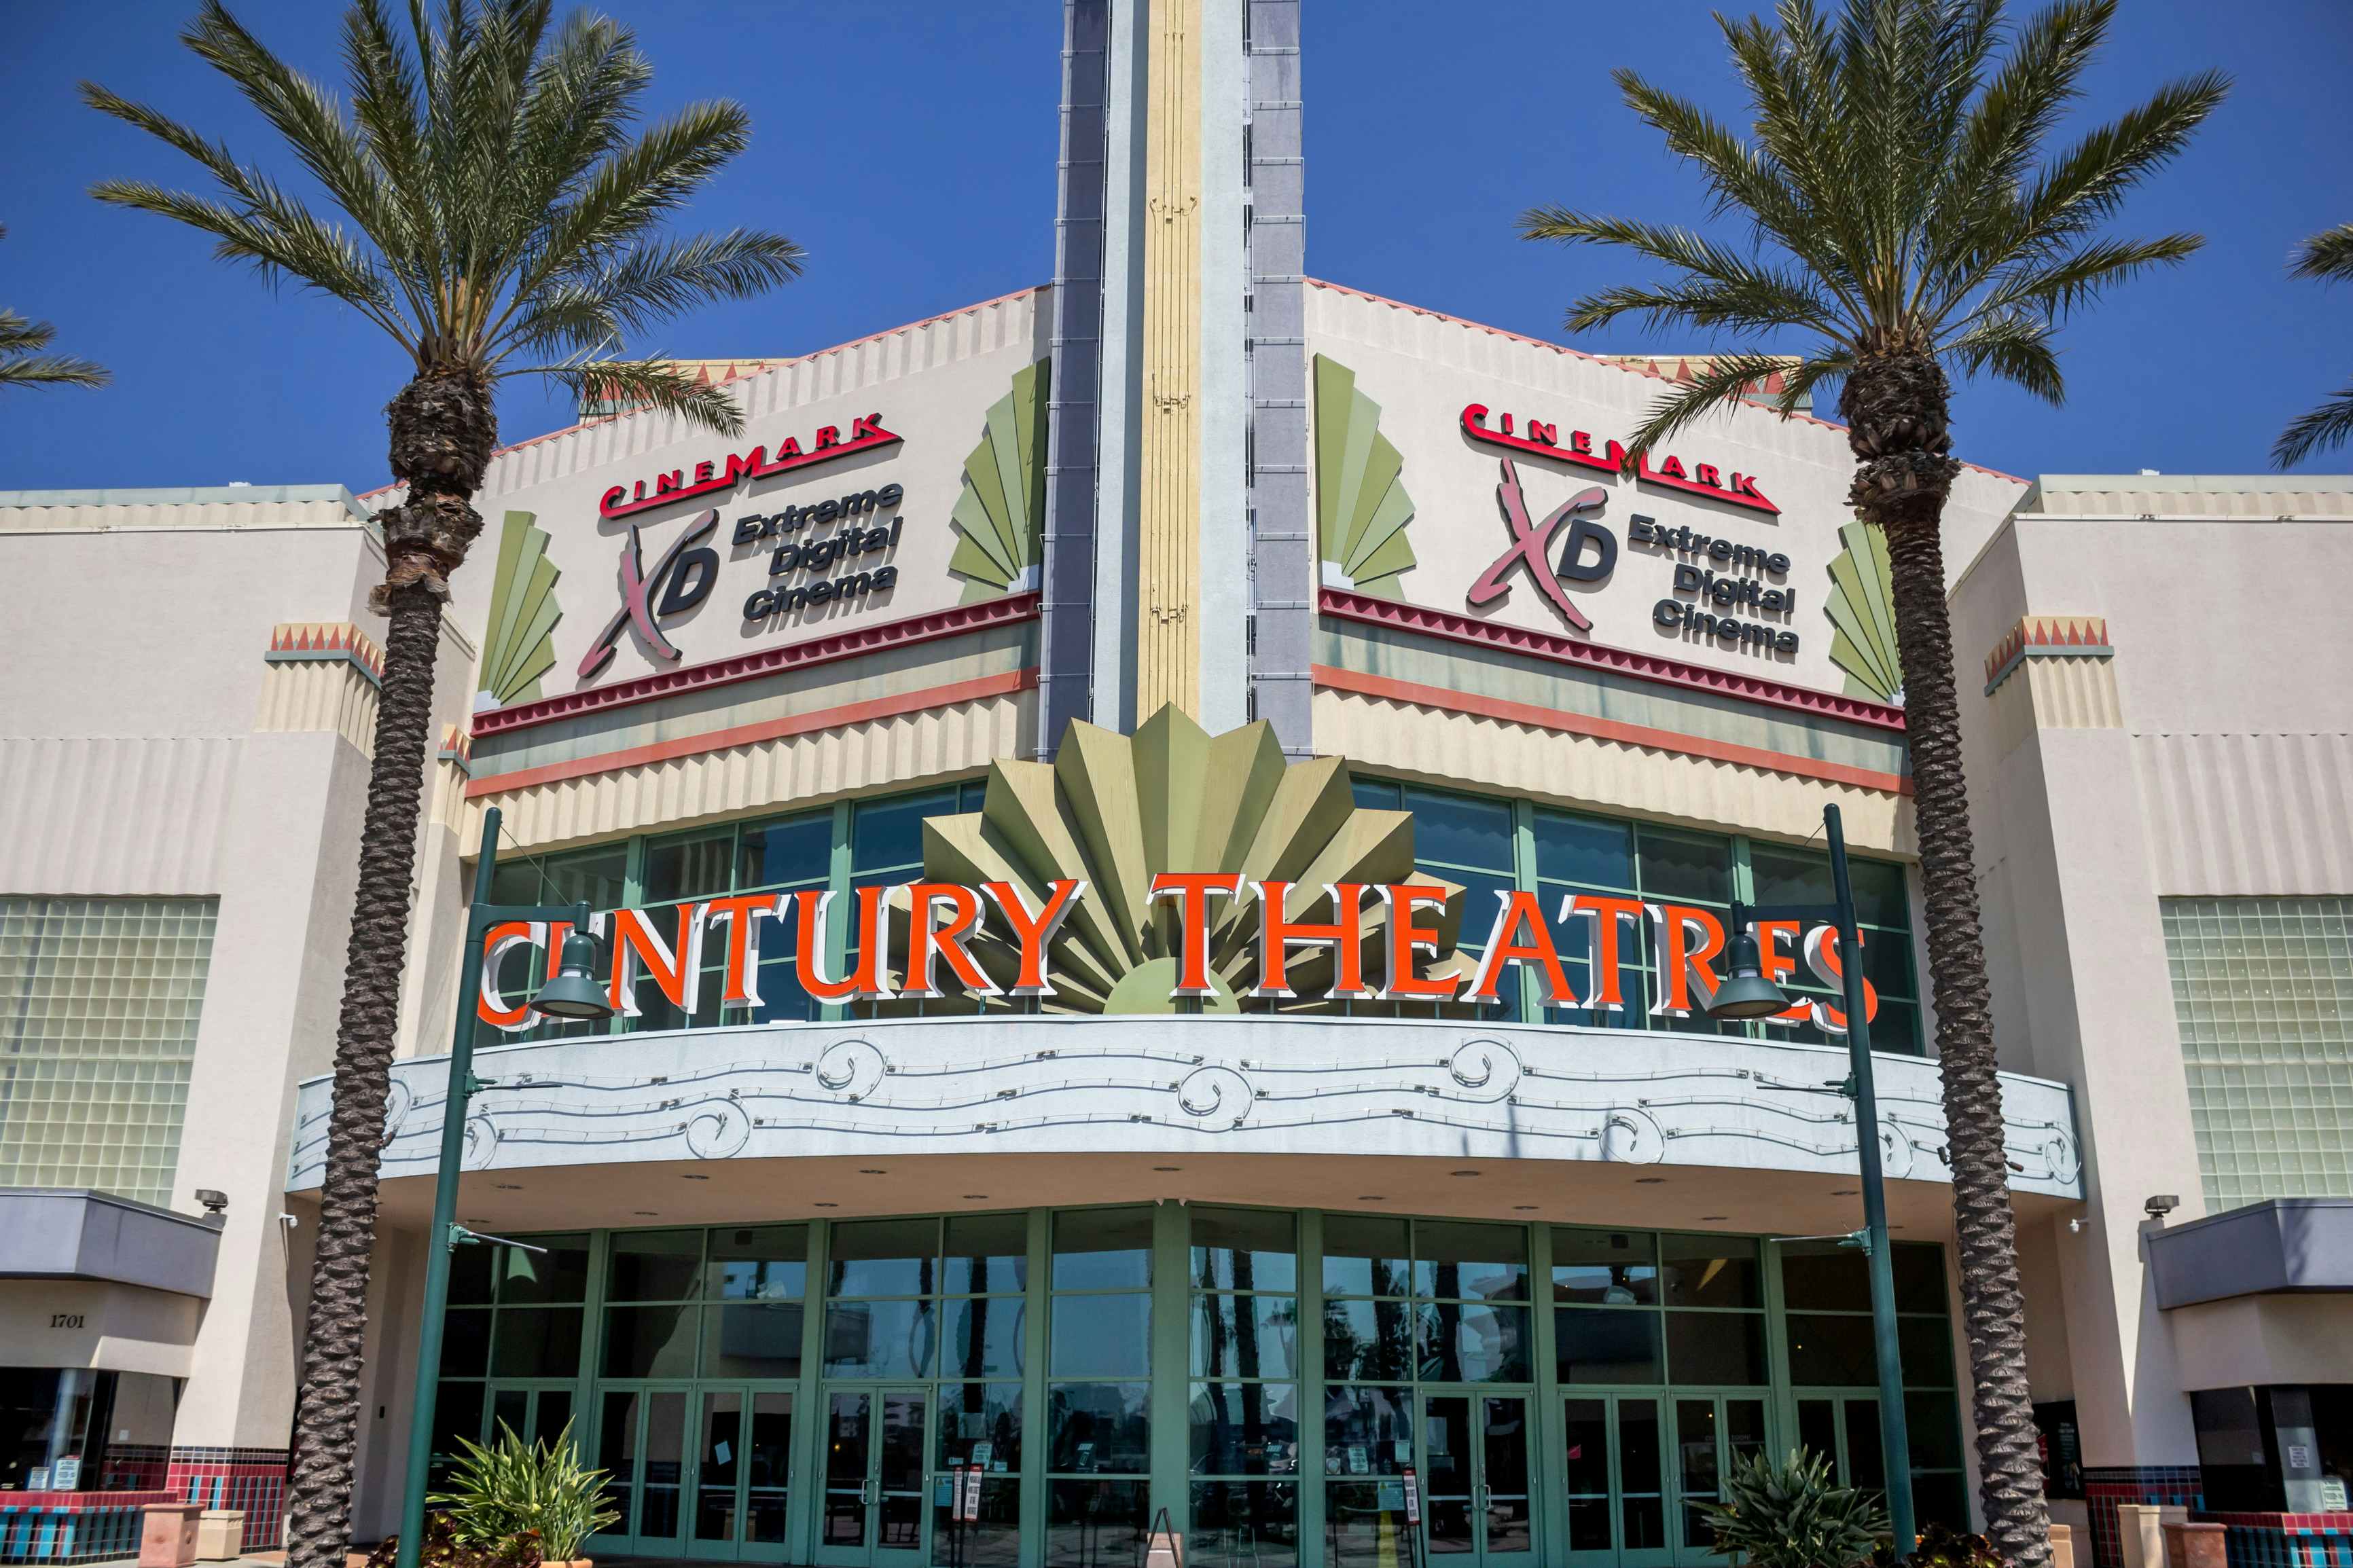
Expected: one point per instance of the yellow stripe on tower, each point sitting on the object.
(1168, 596)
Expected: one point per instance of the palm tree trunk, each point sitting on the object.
(443, 430)
(1897, 409)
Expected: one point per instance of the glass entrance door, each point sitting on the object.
(1844, 1428)
(1477, 1507)
(1617, 1480)
(1712, 1431)
(536, 1412)
(641, 1444)
(873, 1509)
(743, 1439)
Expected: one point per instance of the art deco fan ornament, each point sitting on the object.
(1000, 516)
(1114, 809)
(1361, 504)
(519, 637)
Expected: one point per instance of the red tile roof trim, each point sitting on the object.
(1387, 689)
(898, 704)
(1642, 371)
(1641, 666)
(868, 638)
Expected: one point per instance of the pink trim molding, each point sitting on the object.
(973, 691)
(1443, 624)
(849, 643)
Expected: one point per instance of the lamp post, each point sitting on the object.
(1746, 993)
(573, 994)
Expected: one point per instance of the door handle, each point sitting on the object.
(866, 1492)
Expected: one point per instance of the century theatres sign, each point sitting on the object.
(915, 940)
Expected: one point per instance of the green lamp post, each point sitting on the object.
(572, 994)
(1746, 993)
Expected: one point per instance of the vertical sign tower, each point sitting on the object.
(1177, 567)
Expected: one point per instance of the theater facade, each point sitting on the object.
(1159, 846)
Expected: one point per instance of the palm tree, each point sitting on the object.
(2327, 256)
(505, 217)
(1902, 217)
(22, 363)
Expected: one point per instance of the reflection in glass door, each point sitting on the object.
(1844, 1429)
(1617, 1480)
(641, 1445)
(1712, 1431)
(742, 1445)
(1477, 1507)
(532, 1412)
(875, 1450)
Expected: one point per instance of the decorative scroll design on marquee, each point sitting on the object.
(1244, 1084)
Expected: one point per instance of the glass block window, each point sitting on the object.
(98, 1003)
(2262, 992)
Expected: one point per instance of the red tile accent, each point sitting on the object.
(869, 637)
(753, 734)
(1603, 728)
(1343, 606)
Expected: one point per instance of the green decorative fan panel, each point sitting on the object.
(519, 638)
(1361, 505)
(1111, 810)
(1000, 516)
(1862, 615)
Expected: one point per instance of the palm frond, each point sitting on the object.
(2326, 426)
(493, 193)
(650, 382)
(2327, 256)
(23, 364)
(1900, 195)
(1727, 379)
(2014, 346)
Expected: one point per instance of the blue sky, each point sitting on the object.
(910, 144)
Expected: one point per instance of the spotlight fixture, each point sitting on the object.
(574, 992)
(2156, 1204)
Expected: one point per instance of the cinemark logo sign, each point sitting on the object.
(759, 463)
(1542, 438)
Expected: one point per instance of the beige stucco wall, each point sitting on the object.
(2204, 757)
(147, 748)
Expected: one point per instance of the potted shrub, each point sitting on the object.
(1793, 1515)
(512, 1505)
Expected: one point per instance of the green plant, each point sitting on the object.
(1794, 1514)
(512, 1490)
(1943, 1547)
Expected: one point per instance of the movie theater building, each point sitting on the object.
(1159, 846)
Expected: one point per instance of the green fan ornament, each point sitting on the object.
(519, 638)
(1361, 505)
(1862, 617)
(1000, 516)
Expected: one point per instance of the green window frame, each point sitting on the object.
(1555, 852)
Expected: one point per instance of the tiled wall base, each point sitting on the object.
(251, 1479)
(2178, 1486)
(67, 1528)
(2287, 1540)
